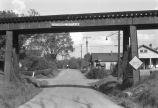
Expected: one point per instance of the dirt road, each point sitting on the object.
(69, 90)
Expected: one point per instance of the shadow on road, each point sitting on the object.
(70, 85)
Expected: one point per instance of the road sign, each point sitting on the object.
(135, 63)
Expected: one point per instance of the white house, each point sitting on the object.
(148, 56)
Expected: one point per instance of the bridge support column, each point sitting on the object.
(16, 53)
(125, 61)
(126, 35)
(125, 40)
(134, 52)
(16, 42)
(11, 42)
(8, 55)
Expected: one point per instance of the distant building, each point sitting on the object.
(104, 59)
(148, 56)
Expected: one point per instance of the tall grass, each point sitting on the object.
(149, 96)
(11, 95)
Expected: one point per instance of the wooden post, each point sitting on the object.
(134, 52)
(8, 54)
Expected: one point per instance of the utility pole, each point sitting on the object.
(87, 43)
(118, 67)
(81, 56)
(119, 71)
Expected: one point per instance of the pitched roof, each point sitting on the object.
(105, 57)
(149, 48)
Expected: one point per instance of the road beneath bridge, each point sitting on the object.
(69, 90)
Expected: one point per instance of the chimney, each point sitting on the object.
(150, 45)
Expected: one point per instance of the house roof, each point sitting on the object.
(149, 48)
(105, 57)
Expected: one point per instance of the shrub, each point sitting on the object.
(96, 74)
(37, 63)
(154, 74)
(60, 64)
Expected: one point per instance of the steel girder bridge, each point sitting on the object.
(128, 22)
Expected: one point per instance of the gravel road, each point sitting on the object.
(70, 89)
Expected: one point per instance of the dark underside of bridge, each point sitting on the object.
(129, 22)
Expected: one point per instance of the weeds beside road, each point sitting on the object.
(11, 95)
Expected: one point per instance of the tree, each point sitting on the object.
(52, 44)
(33, 12)
(87, 57)
(7, 14)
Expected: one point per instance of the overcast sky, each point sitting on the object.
(97, 42)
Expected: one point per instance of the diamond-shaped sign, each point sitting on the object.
(135, 63)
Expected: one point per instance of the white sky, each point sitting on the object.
(97, 42)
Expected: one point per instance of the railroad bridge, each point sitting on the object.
(128, 22)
